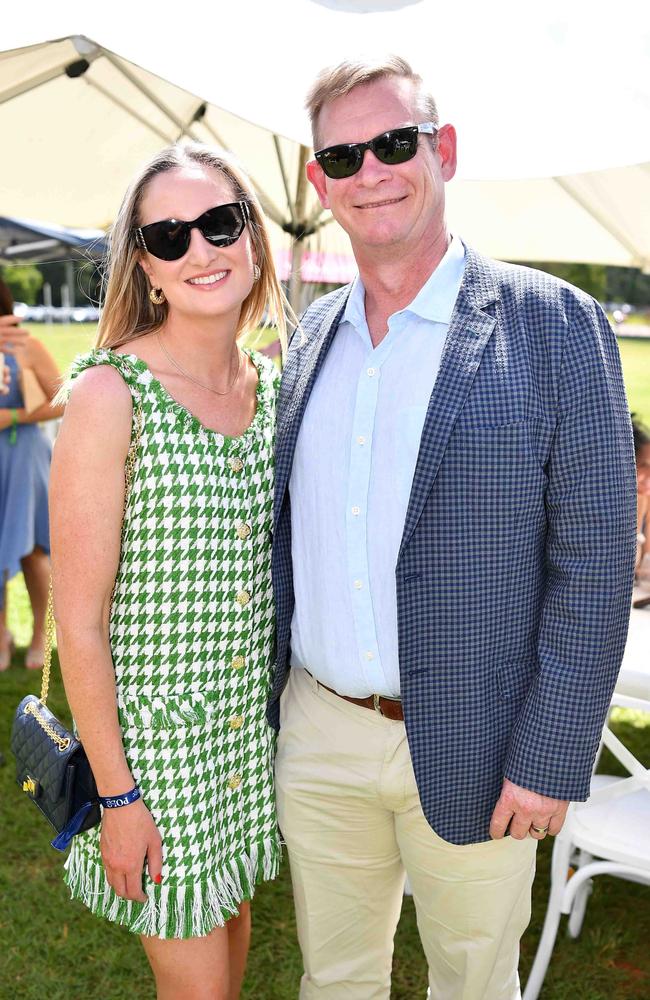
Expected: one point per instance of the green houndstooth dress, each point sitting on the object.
(191, 633)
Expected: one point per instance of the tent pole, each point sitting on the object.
(285, 179)
(129, 111)
(297, 249)
(36, 81)
(132, 78)
(88, 55)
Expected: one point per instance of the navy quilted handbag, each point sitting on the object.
(53, 770)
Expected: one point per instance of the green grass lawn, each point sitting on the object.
(66, 341)
(52, 947)
(635, 357)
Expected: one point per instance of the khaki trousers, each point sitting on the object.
(351, 817)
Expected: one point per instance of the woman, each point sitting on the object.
(164, 606)
(24, 472)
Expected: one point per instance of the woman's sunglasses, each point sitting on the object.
(395, 146)
(170, 239)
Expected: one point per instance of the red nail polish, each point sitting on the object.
(158, 879)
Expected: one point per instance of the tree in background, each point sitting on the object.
(607, 284)
(24, 281)
(628, 284)
(591, 278)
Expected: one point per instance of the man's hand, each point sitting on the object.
(527, 813)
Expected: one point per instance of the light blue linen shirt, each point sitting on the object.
(351, 480)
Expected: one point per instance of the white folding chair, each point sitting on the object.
(607, 834)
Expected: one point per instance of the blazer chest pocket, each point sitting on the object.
(496, 417)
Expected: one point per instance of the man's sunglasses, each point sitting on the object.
(395, 146)
(170, 239)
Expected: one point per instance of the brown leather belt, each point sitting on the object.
(390, 708)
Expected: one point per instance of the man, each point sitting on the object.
(454, 544)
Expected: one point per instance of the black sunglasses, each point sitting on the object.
(395, 146)
(170, 239)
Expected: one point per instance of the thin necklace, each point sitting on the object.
(217, 392)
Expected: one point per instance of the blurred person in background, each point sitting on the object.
(642, 455)
(29, 370)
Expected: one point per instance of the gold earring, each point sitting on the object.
(256, 272)
(157, 296)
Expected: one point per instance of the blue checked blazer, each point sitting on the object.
(515, 569)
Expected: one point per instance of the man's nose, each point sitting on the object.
(372, 170)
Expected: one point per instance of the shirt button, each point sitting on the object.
(372, 371)
(358, 585)
(361, 439)
(234, 781)
(236, 722)
(235, 464)
(370, 655)
(243, 530)
(238, 662)
(356, 511)
(243, 597)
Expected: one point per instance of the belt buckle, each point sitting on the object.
(376, 704)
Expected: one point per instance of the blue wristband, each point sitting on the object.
(116, 801)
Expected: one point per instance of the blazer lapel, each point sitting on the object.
(308, 363)
(469, 331)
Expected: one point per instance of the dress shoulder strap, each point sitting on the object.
(122, 363)
(102, 356)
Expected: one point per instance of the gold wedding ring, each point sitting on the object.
(539, 829)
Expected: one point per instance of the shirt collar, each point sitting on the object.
(436, 299)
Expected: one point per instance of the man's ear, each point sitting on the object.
(447, 151)
(316, 177)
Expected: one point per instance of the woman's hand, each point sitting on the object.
(128, 837)
(12, 334)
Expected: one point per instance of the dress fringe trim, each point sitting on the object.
(187, 910)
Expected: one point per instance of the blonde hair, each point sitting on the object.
(127, 312)
(337, 81)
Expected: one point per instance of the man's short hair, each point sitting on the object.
(337, 81)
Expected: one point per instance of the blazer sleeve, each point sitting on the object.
(591, 539)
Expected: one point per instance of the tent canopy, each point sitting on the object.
(25, 240)
(553, 114)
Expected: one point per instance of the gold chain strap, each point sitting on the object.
(50, 626)
(62, 742)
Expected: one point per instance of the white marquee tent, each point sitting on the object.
(552, 107)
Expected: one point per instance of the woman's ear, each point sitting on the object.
(148, 270)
